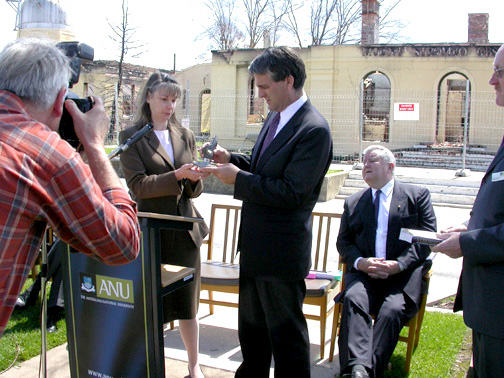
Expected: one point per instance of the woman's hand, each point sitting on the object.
(190, 172)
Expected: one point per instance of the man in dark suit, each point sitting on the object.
(481, 243)
(279, 185)
(384, 274)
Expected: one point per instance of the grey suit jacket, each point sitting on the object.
(481, 293)
(410, 207)
(279, 191)
(150, 175)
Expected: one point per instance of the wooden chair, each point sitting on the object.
(413, 327)
(321, 293)
(221, 273)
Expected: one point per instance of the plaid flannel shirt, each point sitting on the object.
(44, 180)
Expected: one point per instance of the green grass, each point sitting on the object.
(23, 334)
(440, 342)
(331, 171)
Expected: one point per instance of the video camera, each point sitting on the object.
(75, 51)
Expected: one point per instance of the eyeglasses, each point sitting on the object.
(498, 72)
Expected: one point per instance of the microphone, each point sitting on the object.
(131, 141)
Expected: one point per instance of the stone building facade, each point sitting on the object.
(364, 89)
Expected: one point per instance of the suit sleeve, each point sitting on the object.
(241, 161)
(483, 246)
(417, 253)
(346, 239)
(301, 172)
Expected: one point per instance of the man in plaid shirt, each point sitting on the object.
(44, 180)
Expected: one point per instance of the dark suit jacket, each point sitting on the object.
(279, 192)
(482, 246)
(150, 175)
(410, 207)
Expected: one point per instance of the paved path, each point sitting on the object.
(219, 349)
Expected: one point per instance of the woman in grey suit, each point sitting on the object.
(161, 178)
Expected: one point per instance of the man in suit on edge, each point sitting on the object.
(279, 185)
(481, 243)
(384, 274)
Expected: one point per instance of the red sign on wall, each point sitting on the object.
(406, 111)
(406, 107)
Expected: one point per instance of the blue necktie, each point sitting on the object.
(376, 204)
(272, 128)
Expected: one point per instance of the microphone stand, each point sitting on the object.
(43, 327)
(131, 141)
(43, 271)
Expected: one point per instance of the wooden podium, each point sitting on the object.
(114, 314)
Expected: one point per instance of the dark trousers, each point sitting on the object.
(271, 322)
(360, 341)
(54, 271)
(488, 355)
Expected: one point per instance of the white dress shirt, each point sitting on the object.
(383, 217)
(289, 112)
(164, 139)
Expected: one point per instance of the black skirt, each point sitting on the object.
(177, 248)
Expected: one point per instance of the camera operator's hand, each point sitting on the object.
(91, 127)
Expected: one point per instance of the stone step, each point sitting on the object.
(452, 159)
(481, 167)
(433, 188)
(450, 152)
(356, 175)
(446, 154)
(436, 198)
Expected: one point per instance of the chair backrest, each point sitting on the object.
(325, 227)
(223, 237)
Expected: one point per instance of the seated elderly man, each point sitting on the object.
(384, 274)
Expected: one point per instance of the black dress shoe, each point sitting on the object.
(23, 300)
(20, 302)
(52, 328)
(54, 314)
(51, 323)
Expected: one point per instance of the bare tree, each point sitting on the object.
(333, 20)
(123, 35)
(290, 22)
(390, 29)
(337, 22)
(348, 15)
(257, 20)
(223, 33)
(321, 21)
(278, 9)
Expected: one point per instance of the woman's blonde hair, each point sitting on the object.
(157, 81)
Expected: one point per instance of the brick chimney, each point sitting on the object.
(370, 22)
(478, 27)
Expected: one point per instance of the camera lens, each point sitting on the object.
(66, 127)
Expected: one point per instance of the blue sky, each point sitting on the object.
(171, 27)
